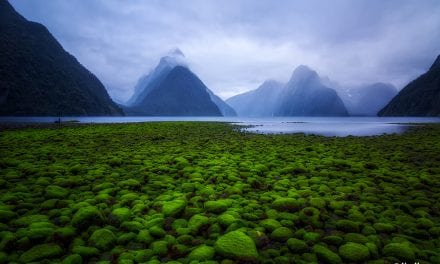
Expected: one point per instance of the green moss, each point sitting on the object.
(144, 236)
(354, 252)
(102, 239)
(6, 215)
(326, 255)
(356, 238)
(270, 224)
(311, 237)
(281, 234)
(53, 191)
(348, 226)
(87, 216)
(384, 227)
(333, 240)
(159, 248)
(296, 245)
(286, 204)
(121, 214)
(218, 206)
(126, 238)
(173, 208)
(85, 251)
(73, 259)
(401, 251)
(196, 222)
(310, 216)
(202, 253)
(157, 231)
(236, 245)
(39, 252)
(55, 188)
(226, 219)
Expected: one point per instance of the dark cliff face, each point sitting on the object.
(180, 93)
(38, 77)
(305, 95)
(420, 97)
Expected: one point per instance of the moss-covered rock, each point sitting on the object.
(384, 227)
(226, 219)
(39, 252)
(236, 245)
(286, 204)
(120, 215)
(348, 226)
(145, 237)
(159, 248)
(87, 216)
(73, 259)
(270, 224)
(326, 255)
(354, 252)
(6, 215)
(202, 253)
(281, 234)
(157, 231)
(401, 251)
(196, 222)
(53, 191)
(103, 239)
(297, 245)
(218, 206)
(173, 208)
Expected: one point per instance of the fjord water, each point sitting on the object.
(326, 126)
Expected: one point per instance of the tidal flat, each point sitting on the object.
(192, 192)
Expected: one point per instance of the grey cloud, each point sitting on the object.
(235, 45)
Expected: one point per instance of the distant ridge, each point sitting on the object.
(38, 77)
(303, 95)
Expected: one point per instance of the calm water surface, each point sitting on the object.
(327, 126)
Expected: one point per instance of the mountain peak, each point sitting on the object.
(174, 58)
(303, 74)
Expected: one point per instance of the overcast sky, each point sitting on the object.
(234, 45)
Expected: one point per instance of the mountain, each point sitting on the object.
(148, 83)
(367, 100)
(421, 97)
(179, 93)
(261, 102)
(305, 95)
(171, 89)
(224, 107)
(38, 77)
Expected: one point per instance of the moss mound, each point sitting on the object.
(39, 252)
(401, 251)
(354, 252)
(286, 204)
(236, 245)
(326, 255)
(202, 253)
(173, 208)
(87, 216)
(102, 239)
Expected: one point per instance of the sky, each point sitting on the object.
(235, 45)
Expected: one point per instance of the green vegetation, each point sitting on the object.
(184, 192)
